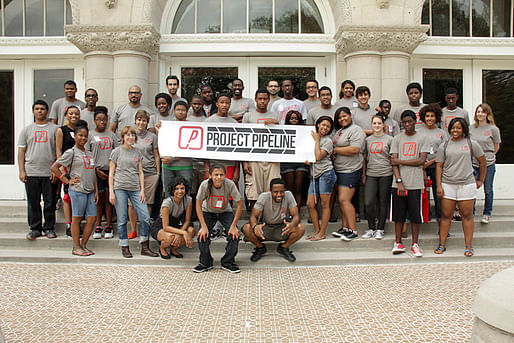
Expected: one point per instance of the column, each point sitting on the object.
(395, 76)
(130, 68)
(99, 75)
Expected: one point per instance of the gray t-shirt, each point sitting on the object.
(88, 116)
(176, 210)
(434, 138)
(274, 212)
(217, 199)
(457, 168)
(125, 116)
(310, 104)
(146, 143)
(350, 103)
(392, 126)
(240, 106)
(401, 108)
(126, 173)
(82, 165)
(156, 117)
(59, 106)
(378, 156)
(271, 102)
(254, 117)
(283, 106)
(448, 115)
(192, 117)
(318, 111)
(486, 136)
(362, 117)
(351, 135)
(325, 164)
(219, 119)
(177, 99)
(101, 144)
(409, 148)
(39, 144)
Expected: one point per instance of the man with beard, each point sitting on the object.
(239, 105)
(88, 112)
(288, 103)
(125, 113)
(273, 89)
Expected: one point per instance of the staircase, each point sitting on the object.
(494, 241)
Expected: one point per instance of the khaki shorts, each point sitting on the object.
(150, 182)
(262, 174)
(273, 232)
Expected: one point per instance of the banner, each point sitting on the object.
(236, 142)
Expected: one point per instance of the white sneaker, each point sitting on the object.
(108, 234)
(379, 234)
(485, 220)
(98, 233)
(398, 248)
(368, 234)
(416, 250)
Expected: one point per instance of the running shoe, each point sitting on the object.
(369, 234)
(398, 248)
(416, 250)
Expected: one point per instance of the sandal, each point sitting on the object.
(79, 252)
(311, 236)
(468, 252)
(440, 249)
(88, 251)
(317, 237)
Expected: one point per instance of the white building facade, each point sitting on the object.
(110, 45)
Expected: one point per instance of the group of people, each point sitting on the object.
(103, 160)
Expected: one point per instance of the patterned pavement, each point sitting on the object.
(111, 303)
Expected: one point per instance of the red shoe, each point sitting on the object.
(132, 235)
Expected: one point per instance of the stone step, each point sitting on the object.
(271, 259)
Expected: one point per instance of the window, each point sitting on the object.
(34, 17)
(298, 75)
(495, 85)
(7, 117)
(247, 16)
(435, 82)
(217, 77)
(49, 84)
(468, 18)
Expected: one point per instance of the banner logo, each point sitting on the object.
(190, 138)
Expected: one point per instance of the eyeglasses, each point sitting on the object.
(91, 96)
(134, 92)
(311, 87)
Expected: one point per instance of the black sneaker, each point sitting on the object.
(68, 230)
(309, 220)
(350, 235)
(333, 219)
(50, 234)
(258, 252)
(286, 253)
(33, 234)
(232, 268)
(215, 234)
(200, 268)
(340, 233)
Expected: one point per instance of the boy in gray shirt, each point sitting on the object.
(60, 105)
(239, 105)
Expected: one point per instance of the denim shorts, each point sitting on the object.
(323, 184)
(293, 167)
(82, 204)
(349, 180)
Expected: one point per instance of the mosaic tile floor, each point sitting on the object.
(103, 303)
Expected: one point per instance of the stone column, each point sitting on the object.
(116, 58)
(379, 56)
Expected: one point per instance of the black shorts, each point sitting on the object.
(411, 203)
(157, 226)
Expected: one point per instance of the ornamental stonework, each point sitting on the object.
(88, 38)
(376, 38)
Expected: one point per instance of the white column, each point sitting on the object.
(99, 75)
(364, 69)
(395, 76)
(130, 68)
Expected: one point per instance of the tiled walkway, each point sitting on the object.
(103, 303)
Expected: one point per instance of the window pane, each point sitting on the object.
(209, 16)
(298, 75)
(218, 77)
(286, 16)
(7, 117)
(184, 21)
(261, 12)
(33, 18)
(425, 15)
(311, 19)
(49, 84)
(234, 16)
(435, 81)
(481, 18)
(501, 18)
(440, 17)
(13, 18)
(69, 19)
(55, 18)
(460, 16)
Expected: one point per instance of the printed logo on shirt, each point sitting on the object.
(447, 120)
(390, 129)
(104, 143)
(283, 213)
(89, 163)
(409, 149)
(262, 120)
(465, 148)
(136, 159)
(217, 201)
(439, 135)
(147, 140)
(41, 136)
(487, 133)
(377, 147)
(243, 107)
(190, 138)
(419, 119)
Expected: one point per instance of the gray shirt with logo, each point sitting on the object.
(216, 200)
(125, 116)
(318, 111)
(434, 138)
(146, 143)
(486, 136)
(59, 107)
(274, 212)
(240, 106)
(410, 148)
(39, 144)
(350, 103)
(378, 156)
(80, 164)
(310, 104)
(101, 144)
(157, 117)
(362, 117)
(325, 164)
(352, 135)
(254, 117)
(457, 168)
(448, 115)
(126, 173)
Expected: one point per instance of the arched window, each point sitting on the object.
(247, 16)
(453, 18)
(34, 17)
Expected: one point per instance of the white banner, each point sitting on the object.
(237, 142)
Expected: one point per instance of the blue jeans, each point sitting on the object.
(226, 219)
(488, 188)
(168, 176)
(141, 209)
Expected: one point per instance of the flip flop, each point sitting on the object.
(468, 252)
(317, 237)
(79, 252)
(89, 252)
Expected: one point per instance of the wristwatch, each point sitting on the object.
(399, 180)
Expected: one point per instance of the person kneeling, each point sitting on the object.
(275, 207)
(173, 229)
